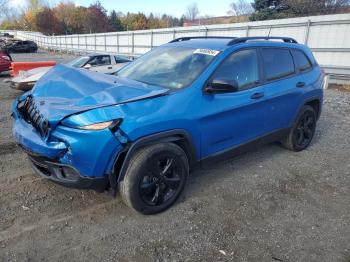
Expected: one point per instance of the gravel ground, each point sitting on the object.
(266, 205)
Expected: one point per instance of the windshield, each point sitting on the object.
(170, 67)
(79, 62)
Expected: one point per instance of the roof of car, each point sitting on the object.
(219, 44)
(96, 54)
(222, 43)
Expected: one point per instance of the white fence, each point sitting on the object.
(328, 37)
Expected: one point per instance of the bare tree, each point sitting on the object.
(240, 7)
(192, 11)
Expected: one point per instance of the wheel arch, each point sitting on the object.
(179, 137)
(315, 103)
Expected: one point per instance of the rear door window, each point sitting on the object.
(302, 63)
(277, 63)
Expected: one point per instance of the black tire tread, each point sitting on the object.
(136, 162)
(288, 141)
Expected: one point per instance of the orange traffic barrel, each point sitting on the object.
(24, 66)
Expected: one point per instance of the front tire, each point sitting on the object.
(155, 178)
(303, 130)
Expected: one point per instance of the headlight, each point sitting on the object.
(112, 125)
(30, 83)
(98, 126)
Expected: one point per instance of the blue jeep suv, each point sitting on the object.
(194, 99)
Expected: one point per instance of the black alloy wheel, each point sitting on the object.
(161, 181)
(155, 178)
(303, 130)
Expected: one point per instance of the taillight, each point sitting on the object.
(6, 57)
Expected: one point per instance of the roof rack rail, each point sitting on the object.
(246, 39)
(186, 38)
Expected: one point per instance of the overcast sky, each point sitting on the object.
(176, 8)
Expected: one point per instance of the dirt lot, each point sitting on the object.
(266, 205)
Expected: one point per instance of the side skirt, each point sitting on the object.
(248, 146)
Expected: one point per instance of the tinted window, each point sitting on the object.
(241, 67)
(100, 60)
(121, 59)
(277, 63)
(302, 63)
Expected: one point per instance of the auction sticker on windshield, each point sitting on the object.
(206, 52)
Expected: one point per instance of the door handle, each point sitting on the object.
(257, 95)
(300, 84)
(110, 67)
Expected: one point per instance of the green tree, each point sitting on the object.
(265, 9)
(11, 24)
(153, 22)
(313, 7)
(135, 21)
(114, 22)
(182, 20)
(275, 9)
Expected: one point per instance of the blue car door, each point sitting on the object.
(232, 119)
(284, 85)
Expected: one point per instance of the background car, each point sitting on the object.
(6, 35)
(5, 61)
(102, 63)
(22, 47)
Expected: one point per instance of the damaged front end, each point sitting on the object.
(71, 157)
(70, 124)
(68, 155)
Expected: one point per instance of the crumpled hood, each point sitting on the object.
(64, 91)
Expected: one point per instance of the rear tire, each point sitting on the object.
(155, 178)
(303, 130)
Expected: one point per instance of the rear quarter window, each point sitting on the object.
(302, 63)
(277, 63)
(120, 59)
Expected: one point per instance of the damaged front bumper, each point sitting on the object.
(66, 175)
(70, 157)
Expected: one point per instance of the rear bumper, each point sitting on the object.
(66, 175)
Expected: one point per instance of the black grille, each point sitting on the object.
(31, 114)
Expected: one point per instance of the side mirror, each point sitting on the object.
(221, 86)
(87, 66)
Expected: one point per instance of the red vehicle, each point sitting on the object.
(5, 61)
